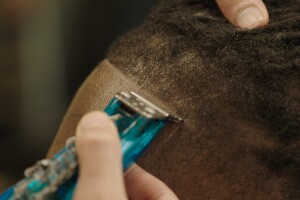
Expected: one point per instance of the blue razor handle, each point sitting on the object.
(138, 122)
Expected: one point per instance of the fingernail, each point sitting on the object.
(93, 121)
(249, 18)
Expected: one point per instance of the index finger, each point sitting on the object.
(142, 185)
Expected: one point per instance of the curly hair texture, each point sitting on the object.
(238, 90)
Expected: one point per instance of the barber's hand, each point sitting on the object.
(247, 14)
(100, 160)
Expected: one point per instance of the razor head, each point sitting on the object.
(134, 103)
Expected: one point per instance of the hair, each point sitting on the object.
(238, 91)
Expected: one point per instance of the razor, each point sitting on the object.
(138, 121)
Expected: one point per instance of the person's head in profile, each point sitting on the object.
(237, 90)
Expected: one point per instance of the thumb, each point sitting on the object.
(100, 159)
(247, 14)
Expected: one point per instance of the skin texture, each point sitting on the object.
(238, 92)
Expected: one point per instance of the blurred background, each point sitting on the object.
(47, 49)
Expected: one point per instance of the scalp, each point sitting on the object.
(237, 90)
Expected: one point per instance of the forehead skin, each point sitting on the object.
(238, 92)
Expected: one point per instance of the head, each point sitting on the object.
(237, 90)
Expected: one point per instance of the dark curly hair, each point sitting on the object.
(238, 90)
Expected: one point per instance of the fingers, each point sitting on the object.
(141, 185)
(100, 159)
(247, 14)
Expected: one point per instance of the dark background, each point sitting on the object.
(47, 49)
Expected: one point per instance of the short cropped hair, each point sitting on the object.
(238, 91)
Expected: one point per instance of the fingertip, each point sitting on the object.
(95, 119)
(96, 131)
(246, 14)
(252, 16)
(142, 185)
